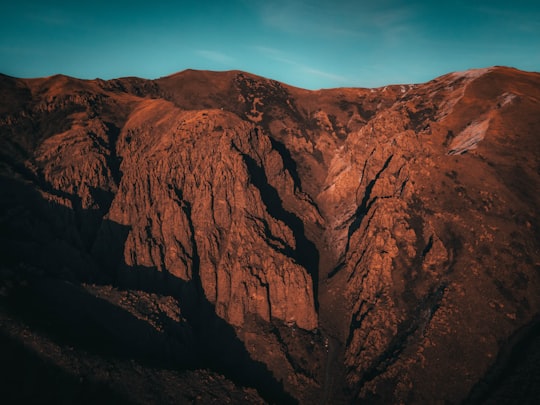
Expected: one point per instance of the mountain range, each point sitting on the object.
(219, 237)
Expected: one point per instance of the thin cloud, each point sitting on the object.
(301, 17)
(280, 56)
(330, 76)
(275, 54)
(342, 19)
(216, 56)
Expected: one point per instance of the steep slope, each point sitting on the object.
(341, 245)
(424, 249)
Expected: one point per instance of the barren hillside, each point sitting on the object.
(220, 237)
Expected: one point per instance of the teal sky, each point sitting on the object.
(311, 44)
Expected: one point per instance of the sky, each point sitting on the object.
(306, 43)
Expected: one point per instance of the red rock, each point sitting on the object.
(364, 244)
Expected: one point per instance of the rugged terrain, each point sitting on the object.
(223, 238)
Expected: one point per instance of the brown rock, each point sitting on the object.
(353, 244)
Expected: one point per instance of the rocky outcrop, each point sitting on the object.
(339, 245)
(197, 197)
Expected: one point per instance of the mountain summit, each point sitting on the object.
(220, 237)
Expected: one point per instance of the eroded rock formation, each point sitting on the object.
(328, 246)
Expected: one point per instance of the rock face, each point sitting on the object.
(343, 245)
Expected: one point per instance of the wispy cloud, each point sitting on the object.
(303, 17)
(302, 68)
(216, 56)
(338, 79)
(340, 19)
(274, 54)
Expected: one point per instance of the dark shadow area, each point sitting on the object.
(306, 253)
(20, 193)
(41, 245)
(288, 161)
(27, 378)
(515, 375)
(39, 234)
(419, 120)
(70, 316)
(14, 95)
(113, 160)
(218, 347)
(417, 319)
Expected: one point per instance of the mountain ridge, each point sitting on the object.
(188, 71)
(321, 246)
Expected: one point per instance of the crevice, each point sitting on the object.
(353, 272)
(342, 259)
(288, 162)
(365, 167)
(402, 188)
(336, 269)
(185, 206)
(306, 253)
(266, 287)
(366, 202)
(428, 247)
(358, 319)
(113, 160)
(417, 321)
(274, 242)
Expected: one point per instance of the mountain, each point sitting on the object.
(220, 237)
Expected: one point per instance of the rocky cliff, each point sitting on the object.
(331, 246)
